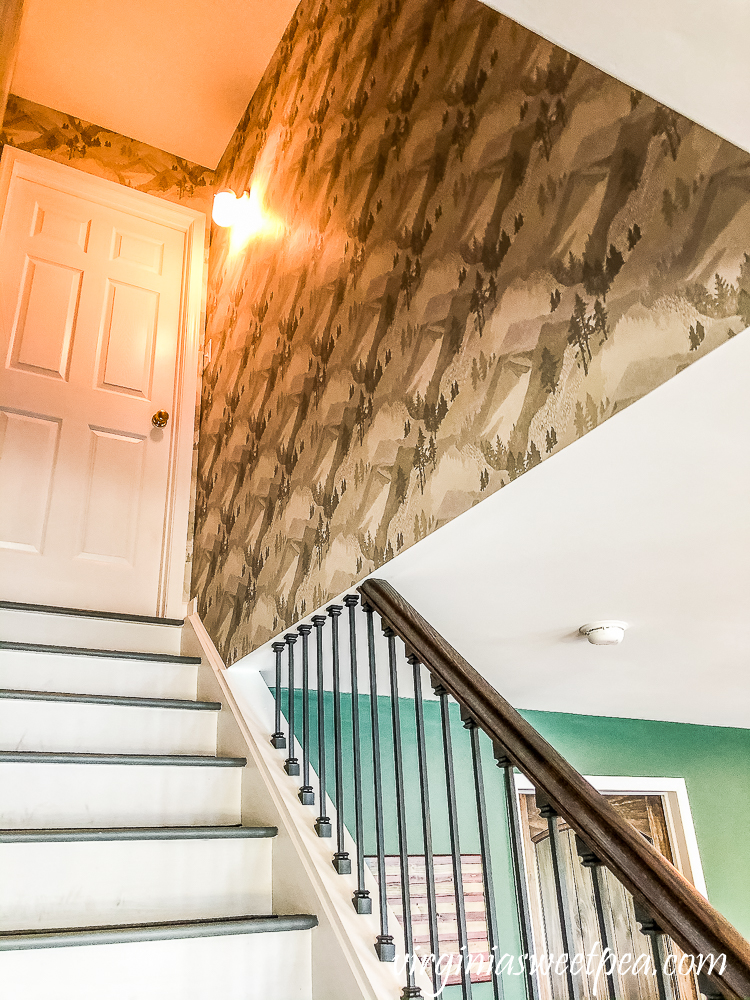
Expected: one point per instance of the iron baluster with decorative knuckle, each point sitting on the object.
(384, 944)
(278, 740)
(591, 861)
(306, 792)
(493, 939)
(361, 898)
(341, 860)
(411, 990)
(424, 797)
(458, 883)
(561, 890)
(291, 764)
(649, 926)
(523, 907)
(323, 822)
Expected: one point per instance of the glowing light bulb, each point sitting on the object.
(225, 208)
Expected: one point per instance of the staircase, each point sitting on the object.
(128, 867)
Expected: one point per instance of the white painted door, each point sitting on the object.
(91, 313)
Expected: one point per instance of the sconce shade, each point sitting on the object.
(225, 208)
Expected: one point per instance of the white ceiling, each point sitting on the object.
(174, 73)
(646, 520)
(179, 73)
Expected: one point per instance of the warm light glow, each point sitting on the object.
(252, 218)
(225, 203)
(245, 216)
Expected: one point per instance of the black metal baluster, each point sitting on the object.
(291, 764)
(411, 989)
(278, 739)
(306, 793)
(384, 946)
(708, 988)
(504, 762)
(341, 860)
(458, 884)
(429, 865)
(485, 851)
(653, 931)
(561, 892)
(361, 898)
(322, 823)
(591, 861)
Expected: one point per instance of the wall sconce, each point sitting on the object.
(246, 217)
(227, 210)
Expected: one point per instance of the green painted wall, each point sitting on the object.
(714, 761)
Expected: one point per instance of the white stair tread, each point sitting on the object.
(100, 653)
(244, 966)
(41, 721)
(74, 834)
(123, 700)
(117, 759)
(132, 881)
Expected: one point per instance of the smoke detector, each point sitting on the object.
(607, 633)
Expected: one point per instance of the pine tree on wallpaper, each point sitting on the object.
(490, 247)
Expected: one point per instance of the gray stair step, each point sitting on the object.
(125, 933)
(180, 760)
(112, 654)
(113, 616)
(63, 836)
(106, 699)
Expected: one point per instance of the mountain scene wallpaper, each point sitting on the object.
(81, 144)
(478, 248)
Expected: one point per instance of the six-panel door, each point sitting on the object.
(90, 300)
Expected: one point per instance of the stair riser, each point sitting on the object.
(26, 671)
(97, 633)
(70, 726)
(94, 795)
(246, 967)
(86, 884)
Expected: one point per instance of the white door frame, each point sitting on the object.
(18, 163)
(679, 817)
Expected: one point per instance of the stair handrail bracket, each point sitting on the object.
(675, 905)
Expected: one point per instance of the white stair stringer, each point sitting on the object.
(125, 870)
(345, 965)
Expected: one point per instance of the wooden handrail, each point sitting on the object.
(677, 907)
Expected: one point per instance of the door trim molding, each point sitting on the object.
(17, 163)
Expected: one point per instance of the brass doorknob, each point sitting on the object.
(160, 418)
